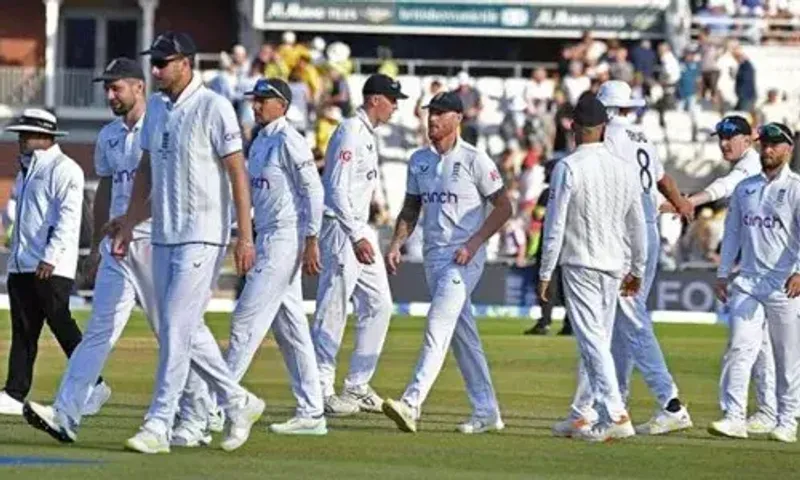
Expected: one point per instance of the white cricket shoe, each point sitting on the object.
(9, 405)
(481, 425)
(301, 426)
(216, 420)
(185, 435)
(728, 427)
(147, 441)
(401, 413)
(571, 427)
(760, 423)
(665, 422)
(336, 406)
(784, 434)
(604, 432)
(240, 422)
(365, 397)
(50, 421)
(98, 396)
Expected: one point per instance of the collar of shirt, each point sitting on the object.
(193, 86)
(620, 120)
(274, 127)
(362, 114)
(590, 146)
(123, 127)
(45, 156)
(784, 171)
(456, 146)
(745, 154)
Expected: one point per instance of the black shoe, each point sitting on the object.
(566, 332)
(538, 329)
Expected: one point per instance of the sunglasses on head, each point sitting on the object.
(727, 129)
(771, 133)
(264, 88)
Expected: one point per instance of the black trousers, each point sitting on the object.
(33, 302)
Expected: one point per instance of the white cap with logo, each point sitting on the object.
(616, 93)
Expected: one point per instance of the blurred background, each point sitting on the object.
(518, 65)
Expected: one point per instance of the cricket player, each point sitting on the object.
(736, 145)
(287, 196)
(452, 184)
(352, 266)
(633, 339)
(191, 165)
(595, 209)
(762, 226)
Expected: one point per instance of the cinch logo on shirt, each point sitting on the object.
(123, 176)
(773, 221)
(259, 183)
(372, 174)
(439, 197)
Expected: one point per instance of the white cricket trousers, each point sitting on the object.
(756, 302)
(273, 297)
(763, 377)
(344, 278)
(591, 298)
(451, 323)
(119, 285)
(184, 276)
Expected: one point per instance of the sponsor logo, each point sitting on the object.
(345, 156)
(372, 174)
(637, 137)
(196, 264)
(750, 192)
(494, 175)
(259, 183)
(457, 281)
(757, 221)
(229, 137)
(439, 197)
(165, 141)
(456, 171)
(370, 147)
(124, 176)
(113, 143)
(424, 168)
(781, 195)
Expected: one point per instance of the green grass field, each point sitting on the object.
(534, 378)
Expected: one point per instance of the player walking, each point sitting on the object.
(762, 225)
(192, 148)
(594, 209)
(633, 340)
(352, 266)
(452, 183)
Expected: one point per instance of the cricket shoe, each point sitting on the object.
(240, 422)
(604, 432)
(148, 441)
(728, 427)
(216, 420)
(301, 426)
(760, 423)
(665, 421)
(50, 421)
(784, 434)
(336, 406)
(402, 414)
(9, 405)
(481, 425)
(98, 396)
(188, 436)
(365, 397)
(571, 427)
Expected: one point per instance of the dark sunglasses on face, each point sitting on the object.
(771, 133)
(162, 62)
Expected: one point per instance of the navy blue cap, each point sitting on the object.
(380, 84)
(732, 125)
(121, 67)
(446, 102)
(590, 112)
(775, 133)
(169, 44)
(271, 88)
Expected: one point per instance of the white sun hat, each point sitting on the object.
(616, 93)
(38, 121)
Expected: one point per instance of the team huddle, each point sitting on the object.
(167, 227)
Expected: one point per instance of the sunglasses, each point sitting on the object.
(264, 89)
(160, 63)
(727, 129)
(772, 133)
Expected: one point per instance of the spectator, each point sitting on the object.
(538, 92)
(745, 82)
(435, 87)
(644, 60)
(240, 62)
(226, 81)
(670, 75)
(387, 64)
(531, 179)
(774, 109)
(317, 51)
(687, 88)
(621, 68)
(471, 99)
(290, 51)
(576, 82)
(751, 8)
(326, 124)
(310, 75)
(709, 56)
(563, 141)
(591, 50)
(339, 93)
(700, 242)
(247, 118)
(301, 105)
(271, 64)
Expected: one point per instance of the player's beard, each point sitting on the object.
(121, 109)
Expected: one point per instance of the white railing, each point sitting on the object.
(755, 30)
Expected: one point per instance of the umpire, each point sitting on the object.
(44, 250)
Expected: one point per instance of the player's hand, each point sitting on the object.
(543, 291)
(92, 262)
(630, 285)
(44, 270)
(685, 209)
(393, 259)
(121, 236)
(364, 252)
(793, 286)
(311, 262)
(464, 254)
(244, 255)
(667, 207)
(721, 289)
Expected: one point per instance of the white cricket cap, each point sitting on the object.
(38, 121)
(616, 93)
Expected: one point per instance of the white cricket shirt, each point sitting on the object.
(629, 142)
(350, 177)
(453, 187)
(747, 166)
(284, 184)
(763, 224)
(191, 194)
(594, 206)
(116, 155)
